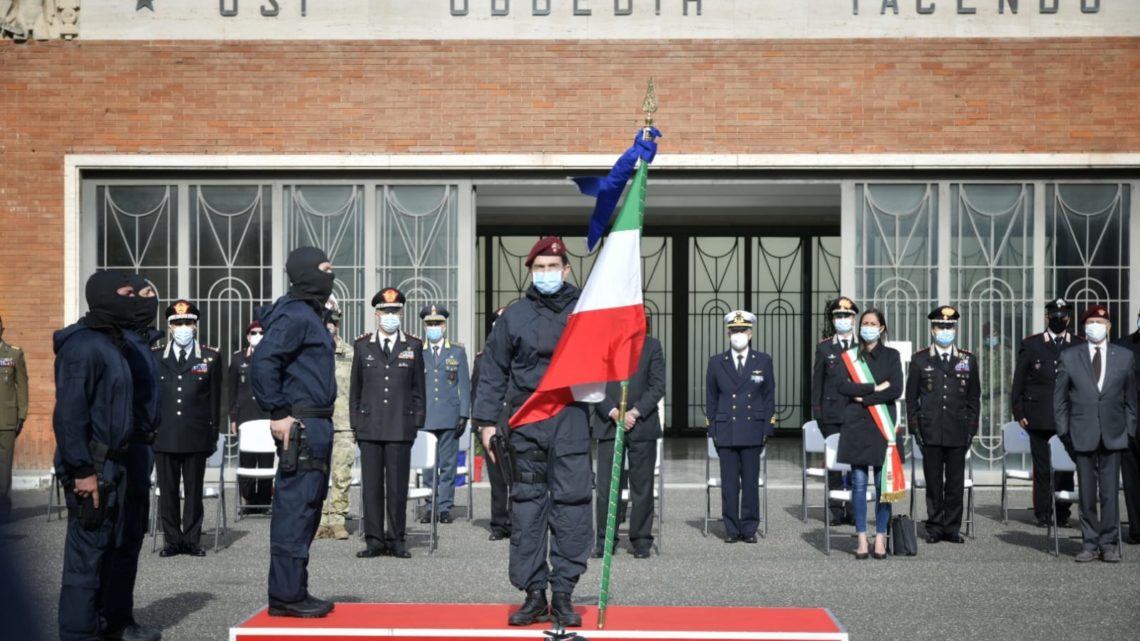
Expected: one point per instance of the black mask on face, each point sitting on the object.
(143, 309)
(1057, 324)
(105, 306)
(306, 279)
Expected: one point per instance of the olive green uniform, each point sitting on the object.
(335, 508)
(13, 412)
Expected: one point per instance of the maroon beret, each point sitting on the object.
(254, 324)
(548, 246)
(1096, 311)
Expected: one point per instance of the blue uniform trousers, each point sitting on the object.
(551, 511)
(448, 455)
(86, 570)
(119, 591)
(740, 489)
(297, 502)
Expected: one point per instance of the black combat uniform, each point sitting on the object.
(943, 397)
(1130, 458)
(1032, 399)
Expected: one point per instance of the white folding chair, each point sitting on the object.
(423, 459)
(714, 482)
(254, 437)
(1014, 442)
(210, 491)
(919, 483)
(812, 445)
(658, 494)
(830, 464)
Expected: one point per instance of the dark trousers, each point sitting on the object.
(1045, 481)
(740, 489)
(500, 511)
(86, 573)
(297, 500)
(256, 491)
(384, 469)
(550, 511)
(1130, 469)
(180, 528)
(945, 472)
(1099, 482)
(642, 456)
(118, 594)
(837, 509)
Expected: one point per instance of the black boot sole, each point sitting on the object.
(541, 618)
(284, 612)
(572, 621)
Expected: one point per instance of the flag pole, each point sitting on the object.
(649, 106)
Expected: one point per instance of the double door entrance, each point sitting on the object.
(784, 276)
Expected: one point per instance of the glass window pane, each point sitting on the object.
(137, 231)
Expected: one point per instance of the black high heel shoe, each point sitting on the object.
(879, 556)
(859, 556)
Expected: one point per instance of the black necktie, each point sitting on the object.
(387, 350)
(946, 360)
(181, 356)
(435, 352)
(1096, 365)
(844, 344)
(739, 364)
(1057, 341)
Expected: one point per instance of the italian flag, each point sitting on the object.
(603, 336)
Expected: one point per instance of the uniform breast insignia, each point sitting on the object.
(962, 366)
(928, 368)
(7, 362)
(1036, 364)
(757, 376)
(451, 364)
(369, 357)
(407, 354)
(200, 368)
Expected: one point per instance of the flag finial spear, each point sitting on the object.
(649, 106)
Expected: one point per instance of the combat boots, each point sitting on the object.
(533, 610)
(339, 532)
(324, 532)
(562, 611)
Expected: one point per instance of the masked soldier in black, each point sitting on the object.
(550, 494)
(827, 372)
(1032, 400)
(1130, 458)
(943, 396)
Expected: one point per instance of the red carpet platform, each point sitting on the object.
(435, 622)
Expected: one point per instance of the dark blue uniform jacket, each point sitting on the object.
(294, 365)
(739, 407)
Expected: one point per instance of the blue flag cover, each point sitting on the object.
(608, 189)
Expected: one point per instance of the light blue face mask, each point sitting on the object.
(870, 334)
(389, 323)
(992, 341)
(183, 334)
(547, 283)
(433, 333)
(945, 337)
(843, 324)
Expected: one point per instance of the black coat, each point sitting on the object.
(241, 402)
(860, 442)
(1031, 396)
(943, 402)
(191, 400)
(646, 387)
(826, 402)
(1132, 342)
(1092, 417)
(386, 395)
(294, 364)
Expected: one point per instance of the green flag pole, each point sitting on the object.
(611, 512)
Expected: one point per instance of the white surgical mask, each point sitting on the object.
(182, 334)
(738, 341)
(843, 324)
(870, 334)
(254, 339)
(944, 337)
(389, 323)
(547, 283)
(1095, 332)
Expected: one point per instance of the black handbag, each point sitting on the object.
(904, 539)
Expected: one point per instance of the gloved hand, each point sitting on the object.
(19, 426)
(461, 427)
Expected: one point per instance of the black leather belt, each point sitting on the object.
(312, 412)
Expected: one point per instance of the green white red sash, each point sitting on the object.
(893, 487)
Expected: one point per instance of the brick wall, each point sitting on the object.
(935, 96)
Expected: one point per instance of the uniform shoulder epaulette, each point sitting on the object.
(826, 339)
(158, 348)
(920, 351)
(456, 344)
(212, 348)
(411, 335)
(965, 351)
(238, 351)
(365, 336)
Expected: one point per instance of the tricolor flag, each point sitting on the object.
(603, 336)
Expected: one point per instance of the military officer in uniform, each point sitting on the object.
(827, 372)
(335, 508)
(740, 408)
(642, 425)
(942, 403)
(500, 511)
(13, 413)
(386, 402)
(190, 377)
(1031, 397)
(1130, 458)
(551, 490)
(448, 390)
(294, 379)
(256, 493)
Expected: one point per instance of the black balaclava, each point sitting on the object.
(105, 306)
(1057, 323)
(306, 280)
(144, 309)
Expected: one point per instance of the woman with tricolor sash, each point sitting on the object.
(873, 383)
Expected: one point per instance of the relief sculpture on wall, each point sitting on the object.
(39, 19)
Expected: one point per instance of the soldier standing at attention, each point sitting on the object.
(255, 493)
(344, 441)
(386, 400)
(1032, 399)
(740, 405)
(190, 377)
(448, 391)
(942, 396)
(13, 413)
(826, 402)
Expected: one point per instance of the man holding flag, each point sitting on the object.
(550, 354)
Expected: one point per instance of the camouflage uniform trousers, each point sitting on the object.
(340, 472)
